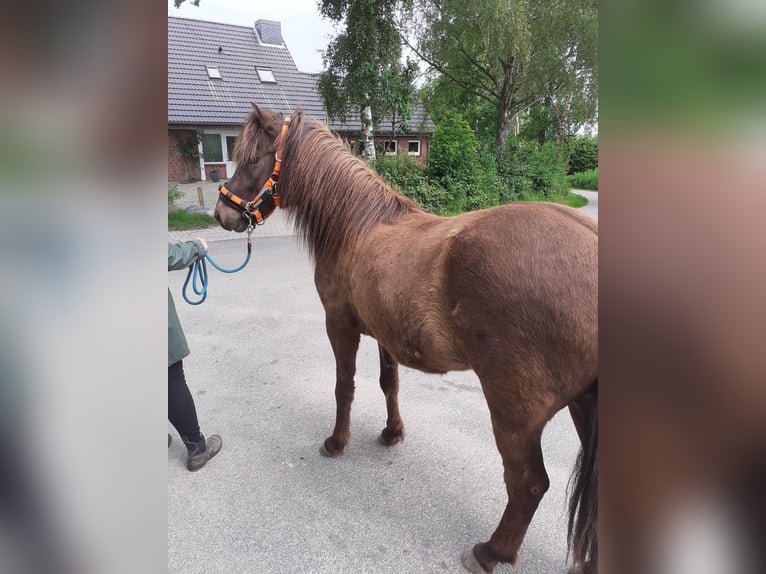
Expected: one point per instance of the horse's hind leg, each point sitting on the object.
(389, 384)
(345, 342)
(526, 482)
(581, 409)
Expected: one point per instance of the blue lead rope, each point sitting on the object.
(198, 274)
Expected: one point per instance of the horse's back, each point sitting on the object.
(522, 290)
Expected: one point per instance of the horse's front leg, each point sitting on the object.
(345, 342)
(389, 384)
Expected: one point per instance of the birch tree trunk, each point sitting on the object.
(367, 135)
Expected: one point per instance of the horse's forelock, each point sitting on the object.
(251, 140)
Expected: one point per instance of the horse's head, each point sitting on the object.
(255, 155)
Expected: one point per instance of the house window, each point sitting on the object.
(212, 150)
(230, 142)
(266, 76)
(214, 73)
(413, 147)
(390, 147)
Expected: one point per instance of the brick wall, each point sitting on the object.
(176, 163)
(219, 167)
(402, 143)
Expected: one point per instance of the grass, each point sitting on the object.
(573, 200)
(180, 219)
(585, 180)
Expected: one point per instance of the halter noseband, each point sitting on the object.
(267, 200)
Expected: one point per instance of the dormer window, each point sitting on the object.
(213, 73)
(266, 76)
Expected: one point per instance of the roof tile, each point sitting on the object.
(194, 98)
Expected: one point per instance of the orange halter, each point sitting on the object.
(267, 200)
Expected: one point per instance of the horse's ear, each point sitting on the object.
(266, 120)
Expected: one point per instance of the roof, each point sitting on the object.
(238, 51)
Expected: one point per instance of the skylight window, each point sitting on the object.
(214, 73)
(266, 76)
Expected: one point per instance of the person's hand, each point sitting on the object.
(203, 242)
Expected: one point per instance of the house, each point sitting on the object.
(214, 72)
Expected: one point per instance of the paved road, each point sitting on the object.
(592, 207)
(262, 374)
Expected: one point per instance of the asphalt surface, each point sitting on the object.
(262, 374)
(592, 207)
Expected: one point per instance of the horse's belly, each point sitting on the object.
(428, 358)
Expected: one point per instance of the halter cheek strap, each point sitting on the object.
(267, 200)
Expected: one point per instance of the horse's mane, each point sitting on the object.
(333, 197)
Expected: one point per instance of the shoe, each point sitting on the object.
(169, 439)
(202, 451)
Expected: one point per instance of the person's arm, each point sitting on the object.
(184, 253)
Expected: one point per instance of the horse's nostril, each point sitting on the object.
(217, 217)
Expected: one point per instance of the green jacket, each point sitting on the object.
(180, 256)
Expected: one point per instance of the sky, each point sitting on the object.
(305, 32)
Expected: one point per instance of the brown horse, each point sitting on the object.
(510, 292)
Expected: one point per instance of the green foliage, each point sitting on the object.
(529, 170)
(585, 180)
(410, 178)
(187, 148)
(452, 155)
(512, 53)
(180, 219)
(362, 73)
(539, 125)
(397, 94)
(583, 154)
(464, 176)
(174, 193)
(442, 99)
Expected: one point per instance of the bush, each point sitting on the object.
(547, 171)
(410, 178)
(452, 155)
(485, 190)
(585, 180)
(529, 171)
(173, 193)
(583, 154)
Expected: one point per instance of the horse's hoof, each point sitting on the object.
(394, 438)
(588, 568)
(470, 562)
(324, 451)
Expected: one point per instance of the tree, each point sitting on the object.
(397, 93)
(179, 2)
(444, 98)
(511, 53)
(357, 60)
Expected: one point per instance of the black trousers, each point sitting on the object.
(182, 413)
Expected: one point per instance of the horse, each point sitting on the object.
(510, 292)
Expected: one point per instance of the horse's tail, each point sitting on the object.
(582, 534)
